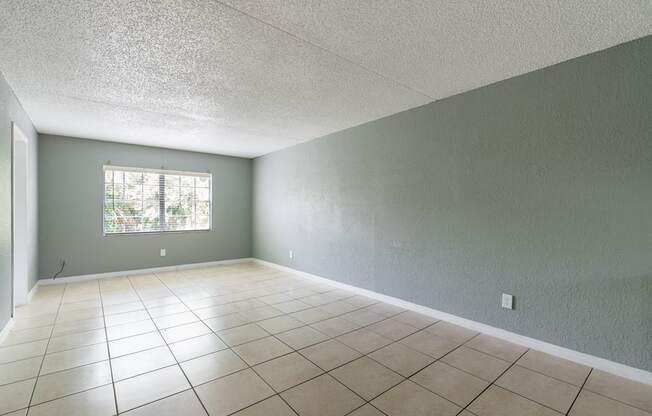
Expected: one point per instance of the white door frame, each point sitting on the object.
(19, 223)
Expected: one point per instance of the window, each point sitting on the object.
(148, 200)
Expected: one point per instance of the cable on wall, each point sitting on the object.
(62, 263)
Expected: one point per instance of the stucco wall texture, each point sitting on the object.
(538, 186)
(70, 209)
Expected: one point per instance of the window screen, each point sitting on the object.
(147, 200)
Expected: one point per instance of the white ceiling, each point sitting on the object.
(247, 77)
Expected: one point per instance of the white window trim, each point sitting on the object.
(208, 175)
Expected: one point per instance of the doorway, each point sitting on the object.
(20, 230)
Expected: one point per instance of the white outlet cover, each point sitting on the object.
(507, 301)
(162, 252)
(291, 254)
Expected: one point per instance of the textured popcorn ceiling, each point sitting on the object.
(253, 76)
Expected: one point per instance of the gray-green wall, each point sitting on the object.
(12, 111)
(70, 209)
(539, 186)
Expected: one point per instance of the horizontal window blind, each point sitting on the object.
(143, 201)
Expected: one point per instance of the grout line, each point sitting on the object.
(38, 375)
(267, 383)
(579, 391)
(68, 395)
(363, 405)
(487, 353)
(234, 352)
(196, 283)
(230, 348)
(610, 398)
(493, 382)
(168, 345)
(293, 351)
(527, 398)
(24, 342)
(108, 351)
(167, 396)
(26, 329)
(404, 378)
(552, 377)
(323, 372)
(73, 367)
(341, 365)
(619, 401)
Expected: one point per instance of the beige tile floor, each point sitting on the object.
(247, 340)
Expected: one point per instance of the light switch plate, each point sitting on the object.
(507, 301)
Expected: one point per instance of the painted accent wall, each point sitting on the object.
(71, 192)
(12, 111)
(539, 186)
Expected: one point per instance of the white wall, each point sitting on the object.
(12, 111)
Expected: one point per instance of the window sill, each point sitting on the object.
(142, 233)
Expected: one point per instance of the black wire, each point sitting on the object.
(63, 264)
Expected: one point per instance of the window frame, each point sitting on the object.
(163, 171)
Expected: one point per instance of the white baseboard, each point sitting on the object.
(28, 299)
(5, 331)
(562, 352)
(30, 294)
(81, 278)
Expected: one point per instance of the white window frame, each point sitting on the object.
(159, 171)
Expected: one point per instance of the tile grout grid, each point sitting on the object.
(229, 288)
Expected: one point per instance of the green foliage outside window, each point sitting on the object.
(141, 202)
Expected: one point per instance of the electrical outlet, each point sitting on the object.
(291, 254)
(162, 252)
(507, 301)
